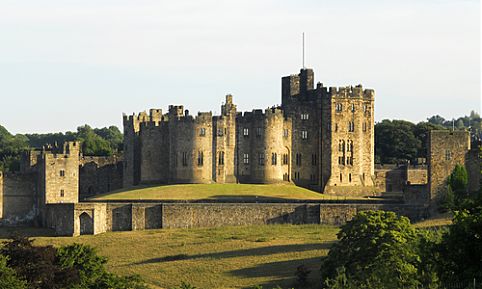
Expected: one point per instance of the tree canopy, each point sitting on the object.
(95, 142)
(376, 249)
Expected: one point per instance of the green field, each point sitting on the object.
(228, 192)
(229, 257)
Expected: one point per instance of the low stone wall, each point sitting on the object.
(17, 199)
(67, 218)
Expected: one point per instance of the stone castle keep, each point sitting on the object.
(319, 138)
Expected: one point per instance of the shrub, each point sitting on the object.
(301, 274)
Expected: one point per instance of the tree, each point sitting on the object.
(436, 119)
(38, 264)
(395, 141)
(85, 261)
(376, 249)
(458, 181)
(11, 148)
(93, 144)
(461, 248)
(8, 276)
(421, 132)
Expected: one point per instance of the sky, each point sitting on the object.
(67, 63)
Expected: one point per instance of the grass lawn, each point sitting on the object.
(208, 258)
(229, 257)
(231, 192)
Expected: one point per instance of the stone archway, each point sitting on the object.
(86, 224)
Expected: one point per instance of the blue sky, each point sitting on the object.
(66, 63)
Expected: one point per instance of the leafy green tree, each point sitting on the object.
(460, 251)
(436, 119)
(459, 179)
(37, 264)
(395, 141)
(84, 259)
(376, 249)
(93, 144)
(113, 135)
(11, 148)
(8, 276)
(421, 132)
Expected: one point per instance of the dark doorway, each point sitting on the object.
(86, 224)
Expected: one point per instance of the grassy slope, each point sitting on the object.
(230, 257)
(217, 191)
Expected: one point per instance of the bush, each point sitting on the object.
(8, 276)
(376, 249)
(75, 266)
(301, 274)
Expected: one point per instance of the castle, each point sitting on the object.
(319, 138)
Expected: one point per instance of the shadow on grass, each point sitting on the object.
(30, 232)
(282, 273)
(269, 250)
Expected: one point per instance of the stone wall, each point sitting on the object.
(60, 175)
(69, 219)
(446, 149)
(18, 198)
(98, 175)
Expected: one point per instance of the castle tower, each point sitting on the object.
(224, 153)
(349, 130)
(132, 154)
(59, 174)
(301, 102)
(190, 146)
(154, 149)
(446, 149)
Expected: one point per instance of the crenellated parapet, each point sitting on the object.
(352, 92)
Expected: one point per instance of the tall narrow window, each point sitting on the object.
(304, 134)
(258, 131)
(349, 177)
(200, 158)
(305, 116)
(298, 159)
(202, 131)
(184, 159)
(62, 193)
(341, 178)
(313, 159)
(246, 131)
(285, 132)
(285, 159)
(221, 158)
(274, 159)
(246, 159)
(352, 108)
(261, 159)
(351, 126)
(62, 173)
(448, 155)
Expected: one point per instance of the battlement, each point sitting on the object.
(352, 92)
(67, 148)
(204, 116)
(260, 114)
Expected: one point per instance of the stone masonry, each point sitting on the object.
(318, 138)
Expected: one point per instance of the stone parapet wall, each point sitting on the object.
(67, 219)
(18, 198)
